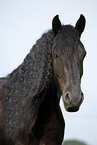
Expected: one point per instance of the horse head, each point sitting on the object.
(68, 54)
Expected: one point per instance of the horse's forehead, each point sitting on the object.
(66, 39)
(69, 31)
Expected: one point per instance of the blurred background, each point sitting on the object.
(22, 22)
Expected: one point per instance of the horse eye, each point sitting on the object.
(58, 76)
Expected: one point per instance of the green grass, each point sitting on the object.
(74, 142)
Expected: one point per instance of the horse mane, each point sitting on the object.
(36, 69)
(21, 93)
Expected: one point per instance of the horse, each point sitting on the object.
(29, 96)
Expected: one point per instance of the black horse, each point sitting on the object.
(29, 111)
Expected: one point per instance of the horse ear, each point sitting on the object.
(56, 24)
(80, 24)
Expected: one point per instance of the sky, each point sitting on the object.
(22, 22)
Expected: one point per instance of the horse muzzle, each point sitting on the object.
(72, 105)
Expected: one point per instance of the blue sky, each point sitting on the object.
(22, 22)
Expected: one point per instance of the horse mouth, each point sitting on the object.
(72, 109)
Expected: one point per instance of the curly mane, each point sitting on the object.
(20, 94)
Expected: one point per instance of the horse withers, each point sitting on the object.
(29, 96)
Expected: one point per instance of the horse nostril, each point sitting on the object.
(67, 97)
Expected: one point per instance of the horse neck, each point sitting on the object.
(28, 78)
(21, 93)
